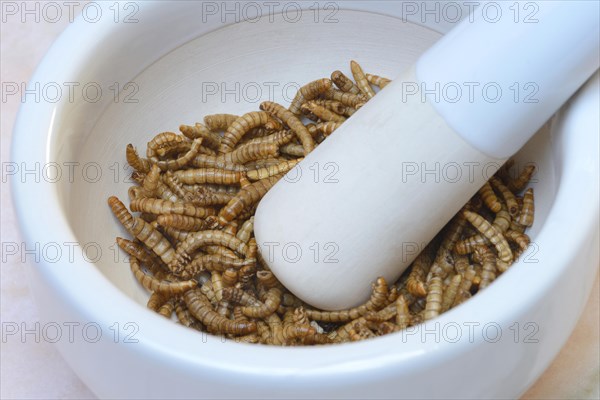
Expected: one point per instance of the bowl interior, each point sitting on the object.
(232, 70)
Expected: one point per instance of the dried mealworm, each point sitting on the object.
(181, 161)
(376, 302)
(415, 284)
(199, 131)
(509, 197)
(240, 127)
(246, 230)
(292, 149)
(248, 196)
(321, 113)
(378, 80)
(269, 306)
(308, 92)
(200, 308)
(166, 310)
(434, 298)
(272, 170)
(519, 183)
(219, 122)
(184, 316)
(488, 264)
(251, 152)
(290, 119)
(161, 140)
(144, 232)
(344, 83)
(230, 277)
(327, 128)
(348, 99)
(209, 175)
(361, 80)
(151, 180)
(489, 197)
(135, 161)
(521, 239)
(156, 285)
(183, 222)
(279, 138)
(403, 318)
(451, 292)
(492, 234)
(204, 238)
(160, 206)
(528, 210)
(155, 301)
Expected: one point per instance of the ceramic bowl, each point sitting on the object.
(153, 66)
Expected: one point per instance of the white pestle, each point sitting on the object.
(368, 199)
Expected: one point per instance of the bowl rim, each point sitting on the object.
(32, 142)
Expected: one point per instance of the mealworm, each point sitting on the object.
(361, 79)
(135, 161)
(348, 99)
(292, 149)
(489, 197)
(521, 239)
(509, 197)
(155, 301)
(184, 316)
(344, 83)
(403, 318)
(151, 180)
(264, 173)
(160, 206)
(268, 307)
(488, 264)
(199, 131)
(209, 175)
(240, 127)
(451, 292)
(204, 238)
(279, 138)
(327, 128)
(464, 289)
(230, 277)
(528, 210)
(492, 234)
(251, 152)
(246, 230)
(136, 192)
(378, 80)
(248, 196)
(207, 290)
(183, 222)
(161, 140)
(320, 113)
(308, 92)
(434, 298)
(443, 263)
(212, 199)
(181, 161)
(519, 183)
(375, 302)
(331, 105)
(219, 122)
(172, 149)
(290, 119)
(144, 232)
(216, 162)
(156, 285)
(202, 310)
(415, 284)
(267, 279)
(166, 310)
(175, 234)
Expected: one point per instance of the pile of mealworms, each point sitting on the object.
(194, 249)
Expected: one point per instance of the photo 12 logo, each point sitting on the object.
(53, 12)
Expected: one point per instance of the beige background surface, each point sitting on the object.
(36, 370)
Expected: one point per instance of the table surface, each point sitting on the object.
(36, 370)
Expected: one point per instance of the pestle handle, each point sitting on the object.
(397, 171)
